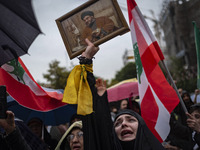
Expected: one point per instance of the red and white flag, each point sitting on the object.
(25, 90)
(157, 97)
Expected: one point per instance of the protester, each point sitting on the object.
(113, 111)
(193, 122)
(38, 128)
(123, 104)
(180, 91)
(96, 28)
(98, 126)
(12, 138)
(31, 139)
(73, 138)
(180, 136)
(132, 133)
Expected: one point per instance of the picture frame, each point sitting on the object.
(109, 23)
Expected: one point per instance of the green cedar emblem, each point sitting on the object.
(137, 61)
(18, 70)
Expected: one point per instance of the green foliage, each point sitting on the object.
(185, 78)
(127, 72)
(56, 76)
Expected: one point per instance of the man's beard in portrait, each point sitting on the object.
(91, 23)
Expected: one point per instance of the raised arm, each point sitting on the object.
(90, 51)
(13, 137)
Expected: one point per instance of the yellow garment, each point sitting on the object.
(77, 90)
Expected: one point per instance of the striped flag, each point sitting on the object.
(157, 97)
(25, 90)
(197, 43)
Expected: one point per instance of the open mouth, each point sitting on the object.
(126, 133)
(76, 147)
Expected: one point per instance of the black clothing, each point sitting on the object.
(145, 140)
(32, 140)
(127, 144)
(48, 140)
(180, 134)
(98, 127)
(14, 141)
(197, 139)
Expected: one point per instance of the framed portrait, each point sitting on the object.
(97, 20)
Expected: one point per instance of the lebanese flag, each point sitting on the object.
(25, 90)
(157, 97)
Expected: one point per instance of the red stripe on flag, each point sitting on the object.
(149, 107)
(131, 5)
(159, 52)
(53, 94)
(149, 112)
(149, 59)
(24, 95)
(157, 80)
(143, 46)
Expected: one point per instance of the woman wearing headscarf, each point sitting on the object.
(73, 138)
(37, 126)
(132, 133)
(98, 126)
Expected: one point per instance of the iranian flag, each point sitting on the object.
(25, 90)
(157, 97)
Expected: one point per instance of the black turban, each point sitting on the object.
(86, 13)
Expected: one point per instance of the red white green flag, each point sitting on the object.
(25, 90)
(157, 97)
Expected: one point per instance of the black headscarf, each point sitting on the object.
(145, 140)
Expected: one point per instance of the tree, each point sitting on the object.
(127, 72)
(57, 76)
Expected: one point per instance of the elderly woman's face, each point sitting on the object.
(126, 127)
(75, 140)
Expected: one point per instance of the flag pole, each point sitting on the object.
(173, 84)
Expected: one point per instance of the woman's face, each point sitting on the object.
(75, 140)
(126, 127)
(186, 98)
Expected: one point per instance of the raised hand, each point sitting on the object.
(9, 123)
(91, 50)
(193, 122)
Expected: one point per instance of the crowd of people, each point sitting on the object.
(119, 128)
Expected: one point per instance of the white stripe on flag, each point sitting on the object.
(134, 40)
(162, 123)
(144, 28)
(143, 86)
(28, 81)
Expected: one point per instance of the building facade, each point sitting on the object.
(176, 20)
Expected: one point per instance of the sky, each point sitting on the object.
(49, 46)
